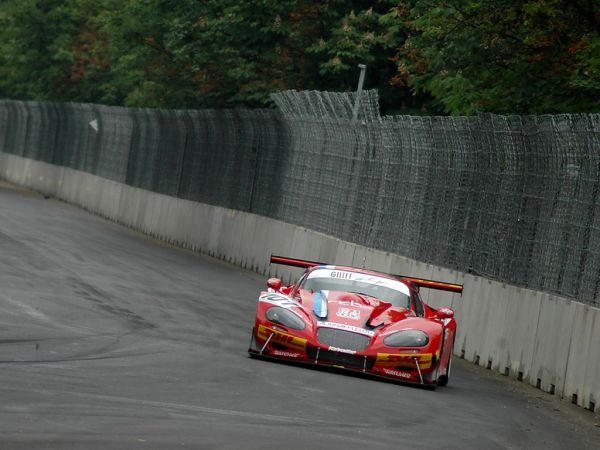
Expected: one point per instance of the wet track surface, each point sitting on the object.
(110, 340)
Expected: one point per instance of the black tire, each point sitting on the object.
(253, 347)
(443, 379)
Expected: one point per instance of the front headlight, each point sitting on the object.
(286, 318)
(407, 338)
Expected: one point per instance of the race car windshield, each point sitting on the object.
(390, 291)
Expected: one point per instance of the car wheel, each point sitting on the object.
(443, 379)
(253, 348)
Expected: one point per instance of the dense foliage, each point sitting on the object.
(453, 56)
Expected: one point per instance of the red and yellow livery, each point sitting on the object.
(356, 319)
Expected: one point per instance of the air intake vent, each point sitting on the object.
(342, 339)
(340, 359)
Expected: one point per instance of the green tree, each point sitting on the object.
(48, 51)
(35, 44)
(190, 53)
(458, 56)
(366, 32)
(186, 53)
(506, 56)
(143, 68)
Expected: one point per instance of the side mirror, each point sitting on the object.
(274, 283)
(445, 313)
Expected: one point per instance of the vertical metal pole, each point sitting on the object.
(419, 369)
(266, 343)
(361, 81)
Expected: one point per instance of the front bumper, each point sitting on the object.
(405, 367)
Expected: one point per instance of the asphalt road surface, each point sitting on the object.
(110, 340)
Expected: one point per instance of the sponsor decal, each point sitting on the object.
(342, 350)
(341, 275)
(396, 373)
(286, 339)
(343, 326)
(348, 313)
(370, 280)
(353, 304)
(405, 360)
(286, 354)
(361, 277)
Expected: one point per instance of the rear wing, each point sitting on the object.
(432, 284)
(294, 262)
(421, 282)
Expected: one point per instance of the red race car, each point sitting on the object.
(356, 319)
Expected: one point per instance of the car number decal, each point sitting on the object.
(278, 299)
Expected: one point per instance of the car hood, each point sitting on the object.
(352, 309)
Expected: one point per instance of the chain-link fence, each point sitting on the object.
(513, 198)
(221, 157)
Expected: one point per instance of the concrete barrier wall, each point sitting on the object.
(545, 340)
